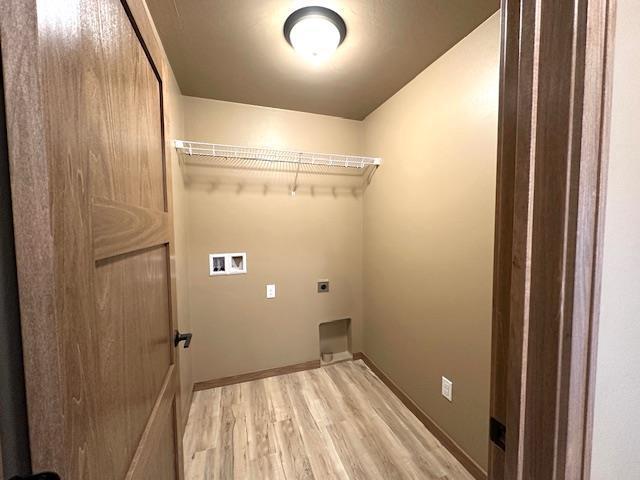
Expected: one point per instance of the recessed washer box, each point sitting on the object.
(227, 264)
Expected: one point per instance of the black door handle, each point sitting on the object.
(182, 337)
(39, 476)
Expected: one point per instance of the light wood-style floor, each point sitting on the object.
(338, 421)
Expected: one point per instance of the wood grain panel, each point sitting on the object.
(156, 458)
(33, 229)
(86, 121)
(124, 116)
(120, 228)
(62, 65)
(146, 30)
(134, 352)
(522, 141)
(504, 218)
(570, 165)
(163, 463)
(558, 170)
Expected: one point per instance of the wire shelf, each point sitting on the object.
(232, 156)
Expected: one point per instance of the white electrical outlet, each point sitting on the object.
(447, 389)
(271, 291)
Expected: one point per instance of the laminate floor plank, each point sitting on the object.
(295, 461)
(356, 460)
(201, 432)
(323, 457)
(336, 422)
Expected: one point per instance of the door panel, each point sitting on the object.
(132, 289)
(133, 326)
(96, 285)
(160, 437)
(164, 453)
(125, 131)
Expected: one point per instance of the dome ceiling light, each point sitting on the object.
(315, 32)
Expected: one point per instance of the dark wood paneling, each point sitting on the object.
(520, 91)
(119, 228)
(433, 427)
(509, 68)
(557, 171)
(247, 377)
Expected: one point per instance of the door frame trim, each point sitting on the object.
(14, 432)
(32, 211)
(553, 147)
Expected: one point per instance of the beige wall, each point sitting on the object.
(429, 222)
(181, 216)
(290, 241)
(617, 418)
(421, 240)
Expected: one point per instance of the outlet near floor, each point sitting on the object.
(447, 389)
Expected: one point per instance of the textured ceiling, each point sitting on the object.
(234, 50)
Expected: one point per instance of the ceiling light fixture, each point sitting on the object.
(315, 32)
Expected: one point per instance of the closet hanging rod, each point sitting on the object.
(275, 155)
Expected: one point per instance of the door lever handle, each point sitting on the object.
(182, 337)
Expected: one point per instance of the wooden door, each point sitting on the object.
(554, 110)
(94, 241)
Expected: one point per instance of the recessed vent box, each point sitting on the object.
(227, 264)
